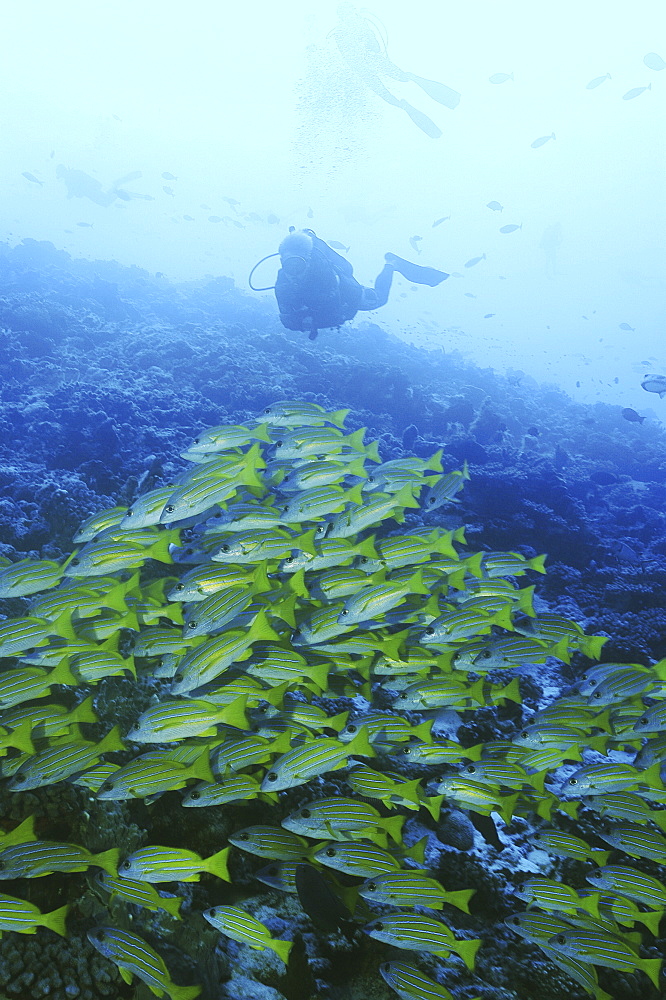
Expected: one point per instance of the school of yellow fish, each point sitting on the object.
(261, 579)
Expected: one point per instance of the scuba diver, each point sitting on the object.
(316, 287)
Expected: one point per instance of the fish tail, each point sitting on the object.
(21, 834)
(468, 949)
(338, 417)
(460, 899)
(55, 920)
(183, 992)
(537, 563)
(108, 860)
(434, 805)
(261, 433)
(282, 949)
(111, 742)
(21, 738)
(434, 463)
(171, 906)
(216, 864)
(393, 826)
(372, 450)
(652, 968)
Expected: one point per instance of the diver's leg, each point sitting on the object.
(383, 284)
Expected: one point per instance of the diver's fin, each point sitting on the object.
(416, 272)
(438, 91)
(426, 124)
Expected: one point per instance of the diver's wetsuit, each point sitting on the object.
(327, 294)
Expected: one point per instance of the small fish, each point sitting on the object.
(312, 758)
(630, 882)
(29, 577)
(168, 177)
(635, 92)
(500, 77)
(625, 326)
(42, 857)
(85, 225)
(606, 949)
(172, 864)
(414, 243)
(510, 229)
(474, 260)
(334, 244)
(632, 416)
(214, 218)
(438, 222)
(489, 315)
(413, 888)
(470, 295)
(134, 956)
(235, 923)
(169, 190)
(310, 214)
(31, 177)
(273, 220)
(541, 140)
(412, 931)
(636, 841)
(655, 383)
(654, 61)
(270, 842)
(495, 206)
(140, 894)
(188, 218)
(598, 80)
(410, 983)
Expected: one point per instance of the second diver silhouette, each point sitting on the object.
(363, 48)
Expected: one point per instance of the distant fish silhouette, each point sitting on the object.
(598, 80)
(438, 222)
(625, 326)
(541, 140)
(495, 206)
(336, 245)
(31, 177)
(654, 61)
(168, 177)
(474, 260)
(500, 77)
(510, 229)
(414, 243)
(636, 92)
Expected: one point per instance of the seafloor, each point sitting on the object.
(106, 375)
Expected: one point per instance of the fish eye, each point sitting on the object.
(101, 935)
(192, 624)
(470, 769)
(126, 865)
(596, 694)
(560, 939)
(330, 852)
(129, 512)
(195, 795)
(351, 728)
(644, 721)
(306, 813)
(178, 678)
(106, 787)
(379, 926)
(595, 874)
(271, 776)
(430, 631)
(267, 410)
(224, 548)
(180, 586)
(371, 886)
(515, 921)
(405, 751)
(485, 654)
(573, 781)
(344, 612)
(196, 441)
(278, 444)
(524, 736)
(169, 509)
(431, 500)
(75, 562)
(243, 836)
(19, 777)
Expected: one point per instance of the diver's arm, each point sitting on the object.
(293, 313)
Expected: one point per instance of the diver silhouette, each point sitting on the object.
(366, 54)
(316, 288)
